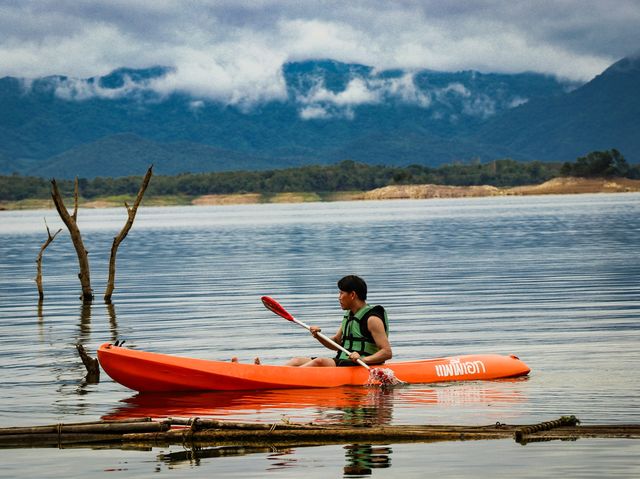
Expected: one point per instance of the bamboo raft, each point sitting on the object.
(146, 433)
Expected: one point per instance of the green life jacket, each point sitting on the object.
(356, 336)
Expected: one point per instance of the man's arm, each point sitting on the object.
(376, 328)
(336, 338)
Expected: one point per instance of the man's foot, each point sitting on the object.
(234, 359)
(256, 361)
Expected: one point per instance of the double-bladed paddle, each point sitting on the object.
(384, 375)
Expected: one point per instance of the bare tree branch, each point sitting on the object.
(50, 238)
(76, 238)
(131, 215)
(75, 200)
(92, 365)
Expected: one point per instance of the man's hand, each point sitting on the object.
(316, 333)
(354, 356)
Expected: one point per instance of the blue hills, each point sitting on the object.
(118, 124)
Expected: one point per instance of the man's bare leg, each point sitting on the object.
(298, 361)
(319, 363)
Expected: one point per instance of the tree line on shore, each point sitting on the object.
(344, 176)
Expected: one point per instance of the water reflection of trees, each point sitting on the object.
(84, 334)
(375, 408)
(353, 408)
(193, 455)
(40, 313)
(113, 323)
(84, 326)
(362, 458)
(83, 337)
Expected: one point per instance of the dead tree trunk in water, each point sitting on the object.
(76, 237)
(92, 365)
(39, 259)
(131, 213)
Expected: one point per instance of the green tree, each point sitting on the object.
(607, 163)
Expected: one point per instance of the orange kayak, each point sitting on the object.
(152, 372)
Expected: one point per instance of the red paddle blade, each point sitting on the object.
(273, 305)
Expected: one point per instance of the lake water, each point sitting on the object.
(552, 279)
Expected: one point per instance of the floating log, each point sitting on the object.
(196, 432)
(103, 431)
(291, 434)
(617, 431)
(321, 435)
(40, 440)
(197, 424)
(97, 428)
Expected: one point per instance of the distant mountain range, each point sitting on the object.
(116, 125)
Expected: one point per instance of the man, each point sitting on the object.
(364, 330)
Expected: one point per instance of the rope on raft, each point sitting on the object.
(545, 426)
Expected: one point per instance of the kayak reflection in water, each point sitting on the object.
(364, 330)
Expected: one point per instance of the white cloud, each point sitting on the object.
(481, 106)
(303, 39)
(405, 89)
(455, 88)
(196, 105)
(80, 89)
(314, 112)
(241, 80)
(322, 103)
(357, 92)
(233, 51)
(517, 102)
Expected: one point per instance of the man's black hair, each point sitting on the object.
(354, 283)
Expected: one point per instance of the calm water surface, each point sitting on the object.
(555, 280)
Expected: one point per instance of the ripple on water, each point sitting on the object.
(554, 280)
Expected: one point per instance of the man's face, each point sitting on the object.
(346, 299)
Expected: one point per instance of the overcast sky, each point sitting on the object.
(236, 48)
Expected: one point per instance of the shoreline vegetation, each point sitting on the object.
(555, 186)
(597, 172)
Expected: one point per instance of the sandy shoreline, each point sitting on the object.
(556, 186)
(395, 192)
